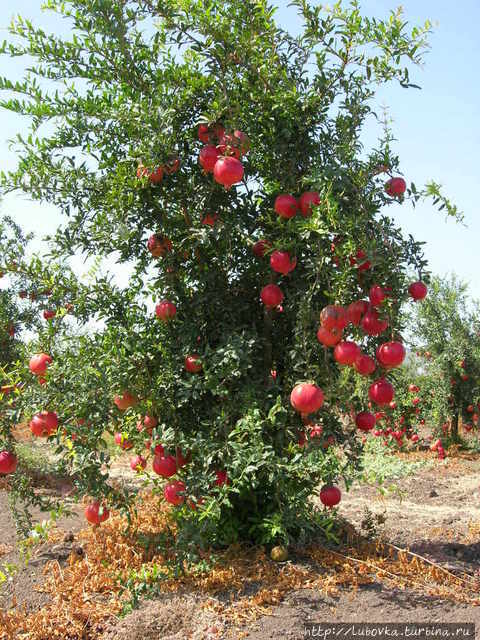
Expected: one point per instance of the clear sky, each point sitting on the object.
(437, 128)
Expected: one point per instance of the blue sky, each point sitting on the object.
(437, 128)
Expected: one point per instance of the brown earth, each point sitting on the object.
(435, 513)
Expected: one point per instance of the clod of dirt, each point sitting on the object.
(433, 494)
(68, 537)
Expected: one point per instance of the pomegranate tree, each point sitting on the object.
(234, 331)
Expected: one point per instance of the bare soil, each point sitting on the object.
(431, 513)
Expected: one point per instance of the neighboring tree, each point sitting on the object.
(446, 335)
(147, 100)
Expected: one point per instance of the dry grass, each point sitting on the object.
(87, 592)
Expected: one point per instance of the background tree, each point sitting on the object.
(147, 100)
(446, 335)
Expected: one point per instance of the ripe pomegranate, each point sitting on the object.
(95, 514)
(333, 316)
(315, 431)
(138, 463)
(416, 401)
(329, 338)
(362, 266)
(165, 466)
(208, 158)
(172, 492)
(204, 133)
(418, 290)
(371, 323)
(122, 441)
(391, 354)
(346, 352)
(222, 478)
(209, 219)
(8, 462)
(381, 392)
(306, 398)
(376, 295)
(413, 388)
(125, 401)
(395, 187)
(260, 247)
(365, 420)
(228, 146)
(44, 424)
(156, 176)
(49, 314)
(165, 310)
(356, 310)
(193, 363)
(330, 495)
(228, 171)
(242, 141)
(172, 166)
(281, 262)
(150, 422)
(307, 201)
(286, 205)
(158, 245)
(414, 438)
(365, 365)
(271, 296)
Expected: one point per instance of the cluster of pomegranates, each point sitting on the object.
(222, 153)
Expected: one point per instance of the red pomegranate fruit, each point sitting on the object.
(228, 171)
(38, 364)
(346, 352)
(193, 363)
(260, 247)
(376, 295)
(95, 514)
(281, 262)
(8, 462)
(365, 365)
(395, 187)
(308, 200)
(391, 354)
(286, 205)
(44, 424)
(138, 463)
(165, 466)
(381, 392)
(371, 323)
(333, 316)
(271, 296)
(306, 398)
(418, 290)
(329, 338)
(122, 441)
(330, 495)
(208, 158)
(356, 310)
(173, 491)
(365, 420)
(165, 310)
(158, 245)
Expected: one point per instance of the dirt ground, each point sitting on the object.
(430, 512)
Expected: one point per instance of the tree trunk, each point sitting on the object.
(454, 427)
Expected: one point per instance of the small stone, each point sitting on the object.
(433, 494)
(68, 537)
